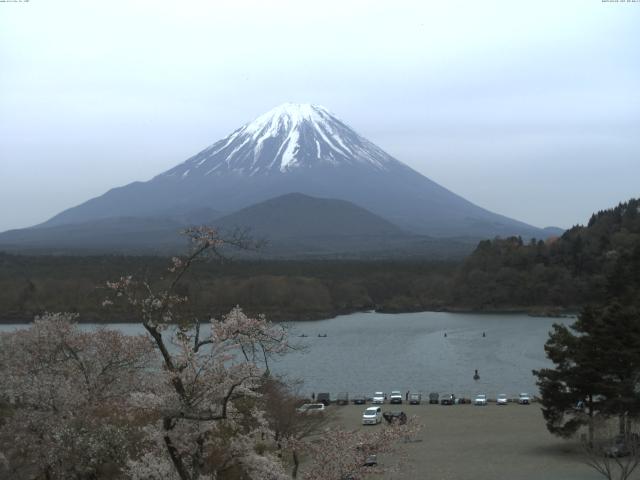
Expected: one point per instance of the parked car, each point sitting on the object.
(371, 460)
(623, 446)
(359, 400)
(378, 397)
(480, 400)
(502, 399)
(395, 397)
(415, 398)
(324, 398)
(524, 399)
(434, 398)
(343, 398)
(311, 408)
(447, 399)
(372, 416)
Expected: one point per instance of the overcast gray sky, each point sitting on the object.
(528, 108)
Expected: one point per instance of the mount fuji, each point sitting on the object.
(295, 148)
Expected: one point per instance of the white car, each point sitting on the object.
(311, 408)
(524, 399)
(502, 399)
(372, 416)
(378, 397)
(480, 400)
(395, 397)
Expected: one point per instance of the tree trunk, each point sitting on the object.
(591, 426)
(173, 452)
(622, 424)
(296, 464)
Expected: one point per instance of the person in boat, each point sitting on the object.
(476, 376)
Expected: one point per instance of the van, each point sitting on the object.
(372, 416)
(343, 398)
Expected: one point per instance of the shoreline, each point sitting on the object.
(533, 312)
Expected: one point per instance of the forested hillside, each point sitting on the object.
(30, 285)
(583, 266)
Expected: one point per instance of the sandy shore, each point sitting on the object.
(465, 442)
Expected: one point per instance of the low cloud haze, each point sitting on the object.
(529, 109)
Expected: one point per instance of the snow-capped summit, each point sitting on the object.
(289, 114)
(288, 137)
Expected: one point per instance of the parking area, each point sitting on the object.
(467, 442)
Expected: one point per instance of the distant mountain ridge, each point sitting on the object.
(293, 226)
(305, 149)
(119, 235)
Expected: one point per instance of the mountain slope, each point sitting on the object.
(121, 234)
(298, 215)
(301, 148)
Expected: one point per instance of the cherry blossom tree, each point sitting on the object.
(207, 392)
(67, 394)
(215, 421)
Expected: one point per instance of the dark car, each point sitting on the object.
(359, 400)
(343, 398)
(415, 398)
(371, 461)
(399, 417)
(447, 399)
(434, 398)
(623, 446)
(324, 398)
(618, 448)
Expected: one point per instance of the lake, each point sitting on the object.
(366, 352)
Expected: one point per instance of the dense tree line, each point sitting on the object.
(30, 285)
(501, 274)
(565, 272)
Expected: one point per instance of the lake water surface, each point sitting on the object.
(366, 352)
